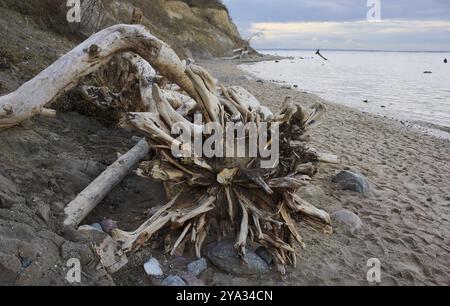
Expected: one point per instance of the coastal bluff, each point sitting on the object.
(194, 28)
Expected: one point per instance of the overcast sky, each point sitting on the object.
(342, 24)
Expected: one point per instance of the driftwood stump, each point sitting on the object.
(242, 192)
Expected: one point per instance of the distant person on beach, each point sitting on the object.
(445, 61)
(319, 54)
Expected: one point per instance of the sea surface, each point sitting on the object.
(386, 83)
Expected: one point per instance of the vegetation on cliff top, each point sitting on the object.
(206, 4)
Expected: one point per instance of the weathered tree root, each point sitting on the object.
(233, 195)
(255, 203)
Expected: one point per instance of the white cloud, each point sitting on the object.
(305, 34)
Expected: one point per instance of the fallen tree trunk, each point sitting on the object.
(33, 97)
(89, 198)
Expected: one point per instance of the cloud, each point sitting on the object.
(354, 33)
(405, 24)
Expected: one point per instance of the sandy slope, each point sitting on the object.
(405, 220)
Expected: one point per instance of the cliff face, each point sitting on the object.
(192, 28)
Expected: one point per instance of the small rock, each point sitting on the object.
(198, 266)
(366, 101)
(352, 181)
(295, 86)
(428, 72)
(224, 256)
(347, 221)
(153, 268)
(108, 225)
(26, 262)
(173, 281)
(262, 252)
(383, 106)
(192, 280)
(259, 81)
(97, 226)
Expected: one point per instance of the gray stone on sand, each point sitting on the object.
(153, 268)
(351, 181)
(191, 280)
(224, 256)
(347, 221)
(108, 225)
(262, 252)
(198, 266)
(97, 226)
(173, 281)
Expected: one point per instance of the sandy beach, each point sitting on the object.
(405, 219)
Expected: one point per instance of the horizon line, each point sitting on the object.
(351, 50)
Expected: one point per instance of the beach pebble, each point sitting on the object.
(191, 280)
(262, 252)
(26, 262)
(347, 221)
(224, 256)
(97, 226)
(173, 281)
(108, 225)
(351, 181)
(153, 268)
(198, 266)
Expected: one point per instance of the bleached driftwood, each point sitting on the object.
(238, 194)
(89, 198)
(246, 100)
(32, 97)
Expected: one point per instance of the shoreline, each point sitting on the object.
(426, 128)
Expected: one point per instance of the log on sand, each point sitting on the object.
(89, 198)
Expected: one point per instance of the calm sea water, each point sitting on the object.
(392, 83)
